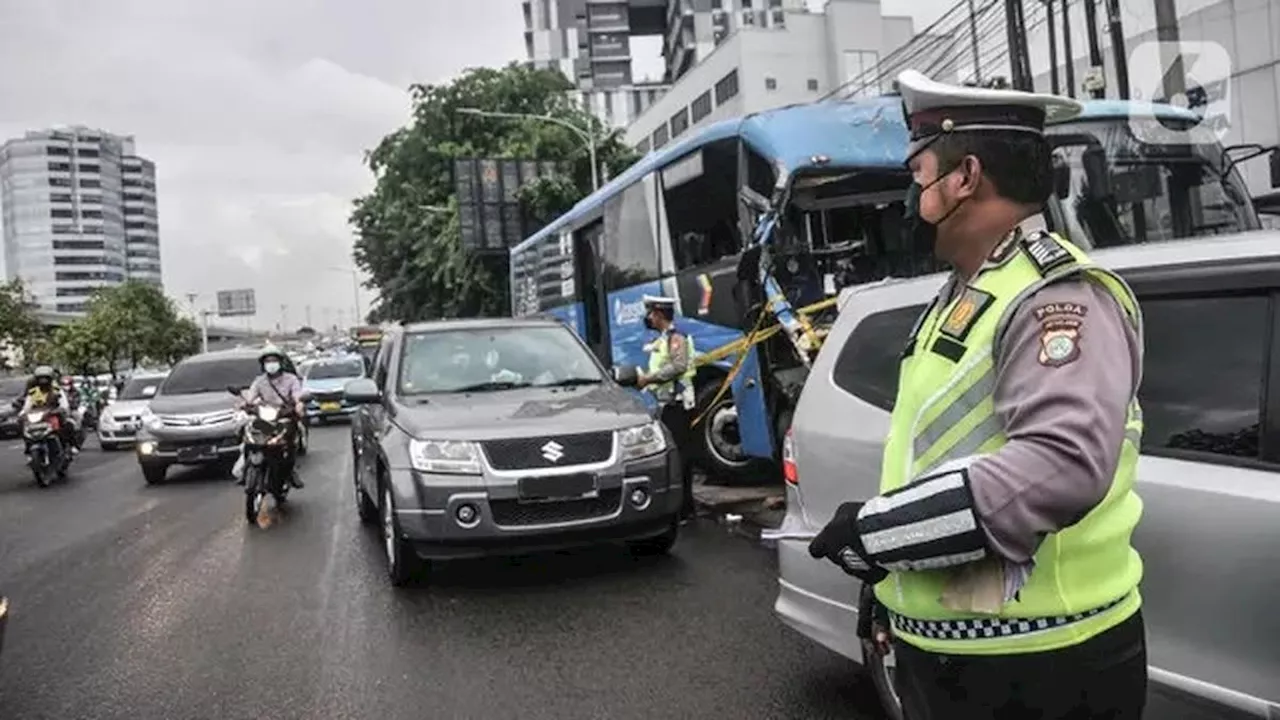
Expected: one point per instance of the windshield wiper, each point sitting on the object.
(572, 382)
(492, 385)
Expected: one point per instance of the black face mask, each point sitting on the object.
(922, 235)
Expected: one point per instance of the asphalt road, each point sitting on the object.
(160, 603)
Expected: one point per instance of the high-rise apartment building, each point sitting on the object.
(79, 213)
(590, 41)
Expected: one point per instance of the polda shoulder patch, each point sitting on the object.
(1045, 252)
(965, 313)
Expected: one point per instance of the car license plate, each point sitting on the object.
(556, 487)
(330, 406)
(199, 452)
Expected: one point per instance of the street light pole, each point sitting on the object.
(586, 136)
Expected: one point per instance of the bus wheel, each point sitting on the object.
(720, 445)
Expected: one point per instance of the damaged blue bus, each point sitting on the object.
(755, 225)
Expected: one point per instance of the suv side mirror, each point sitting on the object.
(626, 376)
(362, 392)
(1275, 167)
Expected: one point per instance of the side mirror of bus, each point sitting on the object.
(626, 376)
(754, 201)
(1275, 167)
(1061, 178)
(1096, 172)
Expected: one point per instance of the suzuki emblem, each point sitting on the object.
(552, 451)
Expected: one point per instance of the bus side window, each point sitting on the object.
(701, 200)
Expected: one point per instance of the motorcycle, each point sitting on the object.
(267, 448)
(47, 455)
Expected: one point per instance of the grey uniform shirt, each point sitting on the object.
(286, 389)
(677, 363)
(1064, 416)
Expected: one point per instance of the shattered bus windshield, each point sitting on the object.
(1119, 190)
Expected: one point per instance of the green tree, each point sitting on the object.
(78, 348)
(19, 323)
(181, 340)
(134, 322)
(408, 234)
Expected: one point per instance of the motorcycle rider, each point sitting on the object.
(44, 395)
(283, 390)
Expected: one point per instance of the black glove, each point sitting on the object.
(841, 543)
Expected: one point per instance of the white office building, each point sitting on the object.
(79, 213)
(782, 57)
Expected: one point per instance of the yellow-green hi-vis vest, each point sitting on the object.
(1085, 578)
(659, 355)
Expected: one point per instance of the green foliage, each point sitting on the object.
(131, 322)
(18, 321)
(409, 239)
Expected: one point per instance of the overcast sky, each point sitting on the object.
(257, 114)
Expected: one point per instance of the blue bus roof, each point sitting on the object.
(867, 132)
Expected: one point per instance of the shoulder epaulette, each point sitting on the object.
(1046, 252)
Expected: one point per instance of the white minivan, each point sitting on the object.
(1209, 476)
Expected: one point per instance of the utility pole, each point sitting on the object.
(204, 331)
(1067, 52)
(1098, 90)
(1054, 87)
(1016, 32)
(1175, 74)
(284, 318)
(973, 44)
(1118, 49)
(308, 316)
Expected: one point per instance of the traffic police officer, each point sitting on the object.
(670, 378)
(1000, 542)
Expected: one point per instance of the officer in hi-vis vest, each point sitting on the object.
(999, 546)
(670, 378)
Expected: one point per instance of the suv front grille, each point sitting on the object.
(548, 451)
(187, 421)
(513, 513)
(327, 396)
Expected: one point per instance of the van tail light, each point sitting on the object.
(789, 471)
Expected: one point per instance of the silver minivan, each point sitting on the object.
(1209, 476)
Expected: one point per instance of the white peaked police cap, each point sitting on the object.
(933, 108)
(658, 301)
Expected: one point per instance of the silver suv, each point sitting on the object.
(192, 419)
(1209, 475)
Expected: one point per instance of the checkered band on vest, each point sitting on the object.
(977, 628)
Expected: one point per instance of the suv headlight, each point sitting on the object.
(457, 457)
(642, 441)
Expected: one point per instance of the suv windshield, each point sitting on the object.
(1124, 190)
(332, 370)
(488, 359)
(210, 376)
(133, 390)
